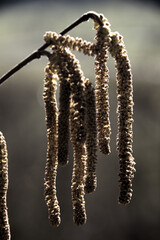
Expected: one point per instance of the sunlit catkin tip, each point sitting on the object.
(78, 180)
(54, 216)
(79, 217)
(4, 222)
(90, 183)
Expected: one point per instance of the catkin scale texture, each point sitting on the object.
(91, 138)
(68, 66)
(4, 222)
(101, 85)
(78, 44)
(125, 117)
(52, 153)
(78, 179)
(61, 66)
(78, 138)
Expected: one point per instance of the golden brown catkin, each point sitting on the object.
(78, 44)
(4, 222)
(78, 137)
(49, 95)
(61, 67)
(101, 85)
(60, 64)
(78, 178)
(67, 61)
(125, 117)
(91, 138)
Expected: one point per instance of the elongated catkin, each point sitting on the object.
(52, 154)
(4, 222)
(78, 138)
(91, 138)
(68, 62)
(101, 85)
(125, 117)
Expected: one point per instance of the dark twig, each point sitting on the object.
(40, 52)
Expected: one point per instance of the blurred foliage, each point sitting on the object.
(23, 125)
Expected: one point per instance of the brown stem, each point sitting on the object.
(40, 51)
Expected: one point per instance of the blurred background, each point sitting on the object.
(22, 121)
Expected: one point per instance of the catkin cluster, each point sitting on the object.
(4, 223)
(76, 118)
(83, 116)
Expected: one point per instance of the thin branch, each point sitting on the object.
(40, 52)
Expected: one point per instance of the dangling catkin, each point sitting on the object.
(60, 64)
(78, 137)
(125, 117)
(78, 178)
(68, 62)
(50, 87)
(101, 85)
(4, 222)
(63, 117)
(91, 138)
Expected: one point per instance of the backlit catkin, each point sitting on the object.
(4, 222)
(125, 117)
(78, 138)
(68, 66)
(91, 138)
(50, 87)
(78, 179)
(78, 44)
(101, 85)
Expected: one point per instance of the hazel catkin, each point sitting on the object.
(91, 138)
(68, 65)
(78, 138)
(72, 43)
(4, 221)
(125, 117)
(52, 153)
(101, 85)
